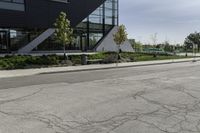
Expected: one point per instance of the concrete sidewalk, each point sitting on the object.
(27, 72)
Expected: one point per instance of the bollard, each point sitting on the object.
(84, 59)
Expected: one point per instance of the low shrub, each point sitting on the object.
(20, 62)
(97, 56)
(110, 58)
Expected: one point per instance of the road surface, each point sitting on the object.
(149, 99)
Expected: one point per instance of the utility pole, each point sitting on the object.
(194, 52)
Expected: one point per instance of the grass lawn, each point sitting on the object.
(150, 58)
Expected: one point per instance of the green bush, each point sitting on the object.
(20, 62)
(97, 56)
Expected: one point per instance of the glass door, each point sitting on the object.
(83, 43)
(4, 41)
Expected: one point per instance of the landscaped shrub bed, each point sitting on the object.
(21, 62)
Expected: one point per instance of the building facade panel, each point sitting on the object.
(42, 13)
(91, 21)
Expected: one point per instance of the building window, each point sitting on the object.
(17, 5)
(63, 1)
(14, 1)
(98, 23)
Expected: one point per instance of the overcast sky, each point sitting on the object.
(172, 20)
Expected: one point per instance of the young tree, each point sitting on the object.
(63, 32)
(120, 37)
(154, 39)
(137, 45)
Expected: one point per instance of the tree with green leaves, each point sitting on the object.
(137, 45)
(120, 37)
(63, 31)
(193, 40)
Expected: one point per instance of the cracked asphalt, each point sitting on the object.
(150, 99)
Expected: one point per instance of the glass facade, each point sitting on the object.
(13, 39)
(14, 1)
(96, 25)
(87, 33)
(17, 5)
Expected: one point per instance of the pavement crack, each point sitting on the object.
(21, 98)
(155, 126)
(15, 100)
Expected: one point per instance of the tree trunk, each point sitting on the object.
(119, 51)
(186, 54)
(118, 54)
(64, 54)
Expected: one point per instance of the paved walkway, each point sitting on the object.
(189, 54)
(59, 53)
(27, 72)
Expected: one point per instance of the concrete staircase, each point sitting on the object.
(33, 44)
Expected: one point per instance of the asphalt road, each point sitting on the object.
(150, 99)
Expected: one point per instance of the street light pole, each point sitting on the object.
(194, 53)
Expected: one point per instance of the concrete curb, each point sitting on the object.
(71, 69)
(117, 67)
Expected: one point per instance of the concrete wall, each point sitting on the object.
(108, 44)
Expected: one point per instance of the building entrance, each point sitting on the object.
(4, 42)
(83, 43)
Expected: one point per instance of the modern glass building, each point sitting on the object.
(27, 25)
